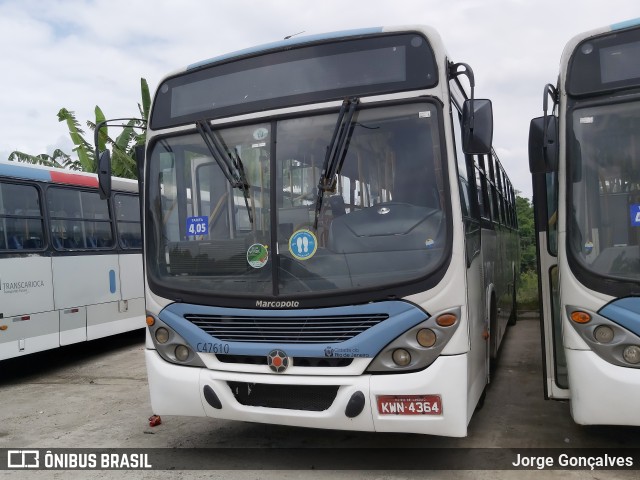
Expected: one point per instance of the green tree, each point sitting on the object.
(528, 281)
(123, 161)
(526, 229)
(59, 159)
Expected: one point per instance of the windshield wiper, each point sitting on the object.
(244, 184)
(336, 152)
(232, 167)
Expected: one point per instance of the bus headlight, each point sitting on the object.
(401, 357)
(603, 333)
(171, 346)
(418, 347)
(426, 337)
(631, 354)
(182, 353)
(611, 341)
(162, 335)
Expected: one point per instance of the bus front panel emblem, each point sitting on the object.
(278, 361)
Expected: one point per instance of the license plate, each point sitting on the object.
(409, 405)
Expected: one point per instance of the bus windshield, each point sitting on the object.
(382, 222)
(604, 221)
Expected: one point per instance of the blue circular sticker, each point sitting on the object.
(303, 244)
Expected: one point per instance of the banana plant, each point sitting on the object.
(58, 159)
(123, 163)
(82, 148)
(123, 147)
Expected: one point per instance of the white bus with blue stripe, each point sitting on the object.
(330, 240)
(70, 263)
(585, 158)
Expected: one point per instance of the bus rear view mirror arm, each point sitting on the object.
(103, 156)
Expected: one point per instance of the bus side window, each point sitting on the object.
(79, 219)
(464, 196)
(21, 223)
(127, 213)
(96, 225)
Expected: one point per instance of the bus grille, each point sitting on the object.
(304, 329)
(297, 361)
(314, 398)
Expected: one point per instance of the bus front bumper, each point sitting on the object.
(602, 393)
(180, 390)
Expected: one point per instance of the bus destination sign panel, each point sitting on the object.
(370, 65)
(605, 63)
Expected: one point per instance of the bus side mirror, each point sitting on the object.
(477, 127)
(139, 156)
(104, 175)
(543, 144)
(139, 152)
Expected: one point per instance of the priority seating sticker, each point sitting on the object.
(303, 244)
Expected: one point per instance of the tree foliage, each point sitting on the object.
(123, 161)
(58, 159)
(82, 147)
(528, 281)
(526, 227)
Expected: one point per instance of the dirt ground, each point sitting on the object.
(95, 395)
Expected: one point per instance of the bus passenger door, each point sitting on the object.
(545, 205)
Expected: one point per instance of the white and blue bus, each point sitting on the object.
(584, 155)
(330, 240)
(70, 263)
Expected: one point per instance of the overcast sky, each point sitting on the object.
(81, 53)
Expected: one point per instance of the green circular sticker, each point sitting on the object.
(258, 255)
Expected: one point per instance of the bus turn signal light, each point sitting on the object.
(3, 327)
(446, 319)
(150, 320)
(580, 317)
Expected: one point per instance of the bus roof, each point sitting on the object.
(304, 39)
(60, 176)
(288, 42)
(634, 22)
